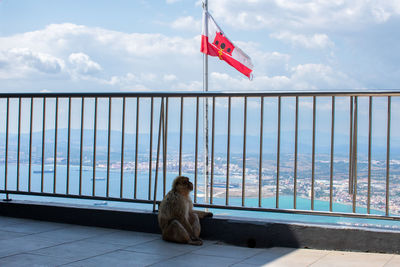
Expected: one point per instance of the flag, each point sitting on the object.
(215, 43)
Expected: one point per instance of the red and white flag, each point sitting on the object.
(216, 44)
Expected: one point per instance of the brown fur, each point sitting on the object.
(176, 217)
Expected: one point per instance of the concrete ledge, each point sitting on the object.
(125, 219)
(237, 231)
(276, 234)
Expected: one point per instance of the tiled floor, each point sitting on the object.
(33, 243)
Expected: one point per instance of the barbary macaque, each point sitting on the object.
(176, 217)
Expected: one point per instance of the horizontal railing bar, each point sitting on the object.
(304, 212)
(206, 94)
(44, 194)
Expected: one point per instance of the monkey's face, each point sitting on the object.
(182, 184)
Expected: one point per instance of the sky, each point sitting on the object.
(122, 46)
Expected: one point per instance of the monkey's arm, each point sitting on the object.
(202, 214)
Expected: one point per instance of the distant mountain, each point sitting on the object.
(252, 143)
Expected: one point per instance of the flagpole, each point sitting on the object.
(205, 120)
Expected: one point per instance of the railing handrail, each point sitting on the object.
(206, 94)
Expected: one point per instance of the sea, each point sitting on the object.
(142, 192)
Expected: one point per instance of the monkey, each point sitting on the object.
(178, 221)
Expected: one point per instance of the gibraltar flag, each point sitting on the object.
(216, 44)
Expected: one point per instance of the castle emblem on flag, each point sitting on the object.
(222, 43)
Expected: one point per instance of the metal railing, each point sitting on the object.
(137, 159)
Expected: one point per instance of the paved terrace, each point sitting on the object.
(25, 242)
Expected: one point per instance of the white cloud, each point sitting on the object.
(318, 41)
(126, 79)
(169, 77)
(66, 37)
(172, 1)
(223, 81)
(305, 14)
(17, 62)
(190, 86)
(53, 51)
(301, 77)
(129, 81)
(82, 64)
(319, 76)
(270, 63)
(86, 58)
(187, 23)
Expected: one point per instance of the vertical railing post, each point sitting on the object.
(313, 152)
(19, 141)
(161, 133)
(123, 148)
(136, 144)
(109, 146)
(354, 155)
(55, 147)
(228, 152)
(369, 155)
(30, 147)
(69, 144)
(212, 151)
(165, 146)
(94, 146)
(278, 153)
(43, 143)
(6, 148)
(332, 154)
(388, 155)
(351, 131)
(180, 137)
(151, 144)
(296, 137)
(196, 150)
(260, 152)
(244, 150)
(81, 144)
